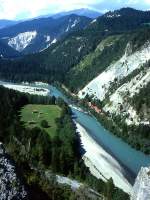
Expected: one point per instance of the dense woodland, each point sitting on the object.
(142, 99)
(129, 19)
(44, 26)
(96, 62)
(60, 154)
(52, 64)
(137, 136)
(62, 62)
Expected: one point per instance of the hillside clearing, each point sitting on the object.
(33, 115)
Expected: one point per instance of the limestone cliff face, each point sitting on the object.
(141, 189)
(10, 185)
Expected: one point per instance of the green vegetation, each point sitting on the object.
(56, 28)
(37, 115)
(135, 135)
(52, 64)
(141, 102)
(44, 124)
(77, 56)
(118, 83)
(108, 51)
(129, 20)
(36, 152)
(33, 149)
(73, 61)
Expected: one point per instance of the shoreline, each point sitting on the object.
(120, 170)
(35, 90)
(101, 164)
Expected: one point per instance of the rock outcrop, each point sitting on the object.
(10, 185)
(141, 189)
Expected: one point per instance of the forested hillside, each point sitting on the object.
(38, 34)
(107, 52)
(40, 154)
(56, 62)
(50, 65)
(120, 92)
(118, 21)
(108, 61)
(8, 52)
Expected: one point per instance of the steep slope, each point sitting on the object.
(121, 101)
(121, 22)
(38, 34)
(22, 40)
(117, 70)
(53, 63)
(141, 189)
(11, 186)
(8, 52)
(48, 30)
(4, 23)
(122, 90)
(125, 19)
(61, 57)
(107, 51)
(56, 62)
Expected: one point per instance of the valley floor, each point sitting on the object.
(28, 89)
(101, 164)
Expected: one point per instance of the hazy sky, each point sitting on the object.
(20, 9)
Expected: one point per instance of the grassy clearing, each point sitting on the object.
(32, 115)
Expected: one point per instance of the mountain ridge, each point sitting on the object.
(121, 54)
(5, 23)
(81, 12)
(48, 31)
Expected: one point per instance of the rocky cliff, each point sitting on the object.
(141, 189)
(10, 185)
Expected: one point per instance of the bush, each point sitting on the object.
(44, 124)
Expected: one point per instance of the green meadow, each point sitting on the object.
(33, 115)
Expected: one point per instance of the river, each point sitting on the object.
(128, 158)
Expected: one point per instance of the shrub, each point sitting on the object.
(44, 124)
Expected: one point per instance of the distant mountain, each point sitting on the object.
(65, 55)
(7, 51)
(81, 12)
(125, 19)
(38, 34)
(4, 23)
(107, 63)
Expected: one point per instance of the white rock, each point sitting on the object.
(48, 38)
(101, 164)
(64, 180)
(123, 67)
(54, 41)
(28, 89)
(118, 98)
(74, 23)
(10, 186)
(141, 189)
(22, 40)
(95, 20)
